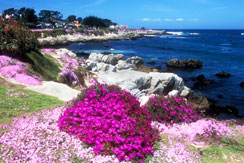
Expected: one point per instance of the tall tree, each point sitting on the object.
(27, 15)
(50, 16)
(93, 21)
(56, 15)
(10, 11)
(45, 15)
(79, 19)
(71, 18)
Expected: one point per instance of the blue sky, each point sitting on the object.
(156, 14)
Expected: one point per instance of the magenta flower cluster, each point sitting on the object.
(12, 68)
(171, 110)
(112, 121)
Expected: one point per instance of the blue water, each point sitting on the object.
(219, 50)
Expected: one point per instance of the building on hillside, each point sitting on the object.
(118, 26)
(123, 27)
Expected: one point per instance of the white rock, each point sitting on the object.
(140, 83)
(143, 100)
(185, 91)
(135, 60)
(173, 93)
(65, 51)
(123, 65)
(95, 57)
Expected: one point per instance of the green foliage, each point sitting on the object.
(50, 16)
(79, 19)
(15, 39)
(23, 14)
(53, 33)
(93, 21)
(10, 11)
(44, 66)
(27, 15)
(71, 18)
(16, 101)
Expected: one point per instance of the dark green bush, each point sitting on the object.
(16, 39)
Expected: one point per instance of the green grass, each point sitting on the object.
(43, 65)
(15, 102)
(51, 59)
(227, 151)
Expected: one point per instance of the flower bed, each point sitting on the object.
(11, 68)
(171, 110)
(112, 121)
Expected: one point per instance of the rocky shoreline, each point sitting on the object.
(66, 39)
(116, 70)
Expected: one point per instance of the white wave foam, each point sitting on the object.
(176, 33)
(194, 33)
(181, 37)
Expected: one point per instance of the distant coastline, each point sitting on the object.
(68, 38)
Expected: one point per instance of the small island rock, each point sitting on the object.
(189, 63)
(223, 74)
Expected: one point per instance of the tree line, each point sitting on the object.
(28, 15)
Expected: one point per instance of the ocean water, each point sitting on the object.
(219, 50)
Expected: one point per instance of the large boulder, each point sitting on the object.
(189, 63)
(100, 66)
(223, 74)
(95, 57)
(135, 61)
(108, 59)
(62, 51)
(123, 65)
(163, 83)
(199, 101)
(242, 84)
(140, 83)
(201, 81)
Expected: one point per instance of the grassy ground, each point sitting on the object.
(43, 65)
(16, 101)
(226, 151)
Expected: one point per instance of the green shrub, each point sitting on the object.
(16, 39)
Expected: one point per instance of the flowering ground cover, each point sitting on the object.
(111, 121)
(12, 68)
(171, 110)
(38, 138)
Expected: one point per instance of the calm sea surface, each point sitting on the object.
(219, 50)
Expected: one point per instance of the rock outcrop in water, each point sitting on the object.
(114, 69)
(189, 63)
(223, 74)
(201, 81)
(242, 84)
